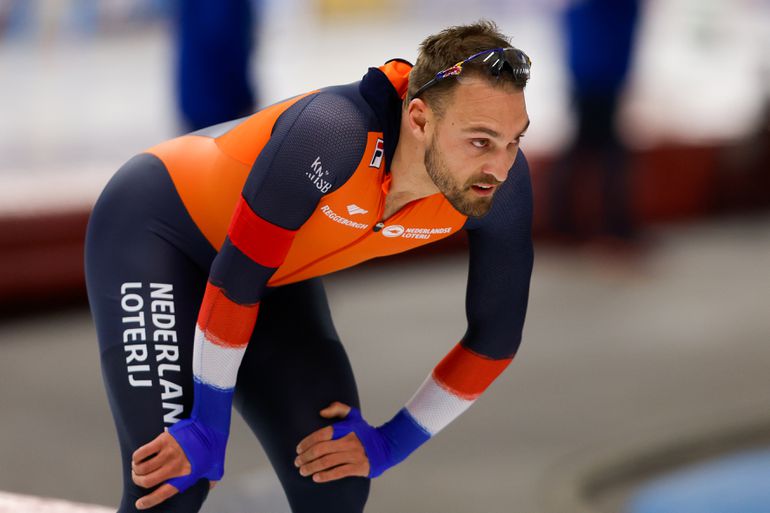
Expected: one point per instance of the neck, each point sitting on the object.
(410, 180)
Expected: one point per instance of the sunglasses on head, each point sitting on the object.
(494, 60)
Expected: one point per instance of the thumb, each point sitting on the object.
(335, 410)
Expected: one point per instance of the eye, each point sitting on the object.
(480, 143)
(517, 141)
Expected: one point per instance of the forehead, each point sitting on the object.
(477, 101)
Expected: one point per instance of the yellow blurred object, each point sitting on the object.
(345, 8)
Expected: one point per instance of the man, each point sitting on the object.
(235, 223)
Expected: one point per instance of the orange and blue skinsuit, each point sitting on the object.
(297, 191)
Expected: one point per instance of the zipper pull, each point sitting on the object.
(379, 226)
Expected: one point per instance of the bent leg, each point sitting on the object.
(144, 293)
(294, 367)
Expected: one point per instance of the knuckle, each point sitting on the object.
(181, 469)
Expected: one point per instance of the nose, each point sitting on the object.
(499, 166)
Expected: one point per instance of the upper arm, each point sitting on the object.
(501, 257)
(314, 148)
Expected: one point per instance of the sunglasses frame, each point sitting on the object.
(518, 67)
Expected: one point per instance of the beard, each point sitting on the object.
(460, 196)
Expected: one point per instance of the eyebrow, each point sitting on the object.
(493, 133)
(488, 131)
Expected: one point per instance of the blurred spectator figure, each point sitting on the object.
(215, 41)
(16, 17)
(599, 36)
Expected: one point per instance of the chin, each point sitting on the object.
(471, 208)
(477, 212)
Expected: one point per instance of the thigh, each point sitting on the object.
(144, 292)
(294, 367)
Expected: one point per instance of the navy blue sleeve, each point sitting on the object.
(314, 148)
(500, 268)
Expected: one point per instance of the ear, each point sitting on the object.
(418, 115)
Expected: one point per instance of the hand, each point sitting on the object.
(156, 462)
(326, 459)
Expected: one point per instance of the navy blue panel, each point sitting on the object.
(501, 258)
(315, 147)
(378, 91)
(262, 166)
(241, 279)
(352, 93)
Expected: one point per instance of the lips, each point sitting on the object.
(483, 189)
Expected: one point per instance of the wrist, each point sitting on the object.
(204, 447)
(403, 435)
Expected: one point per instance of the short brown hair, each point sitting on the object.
(450, 46)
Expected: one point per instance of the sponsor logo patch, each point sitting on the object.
(318, 176)
(379, 152)
(396, 230)
(331, 214)
(355, 209)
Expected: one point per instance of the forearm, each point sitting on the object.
(456, 382)
(453, 386)
(221, 335)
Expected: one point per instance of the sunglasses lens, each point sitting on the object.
(518, 61)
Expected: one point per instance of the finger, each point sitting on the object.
(323, 448)
(330, 461)
(335, 410)
(152, 464)
(161, 494)
(349, 470)
(173, 468)
(213, 484)
(148, 449)
(150, 480)
(322, 435)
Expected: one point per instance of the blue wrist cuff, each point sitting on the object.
(386, 445)
(404, 435)
(204, 448)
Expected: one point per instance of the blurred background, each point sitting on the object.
(643, 377)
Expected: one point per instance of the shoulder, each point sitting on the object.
(327, 115)
(328, 129)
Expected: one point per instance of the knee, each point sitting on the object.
(189, 501)
(347, 495)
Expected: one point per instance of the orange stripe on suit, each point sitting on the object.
(225, 322)
(467, 374)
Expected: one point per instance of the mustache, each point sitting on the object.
(483, 180)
